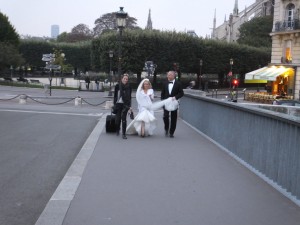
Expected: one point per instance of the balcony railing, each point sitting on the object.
(287, 25)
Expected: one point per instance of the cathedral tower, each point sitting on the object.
(149, 22)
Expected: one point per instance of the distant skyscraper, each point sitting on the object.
(54, 31)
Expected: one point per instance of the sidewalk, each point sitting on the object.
(186, 180)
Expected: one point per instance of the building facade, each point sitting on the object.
(282, 75)
(286, 45)
(229, 30)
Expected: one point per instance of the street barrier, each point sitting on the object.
(266, 142)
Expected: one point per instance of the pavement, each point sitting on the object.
(158, 180)
(161, 180)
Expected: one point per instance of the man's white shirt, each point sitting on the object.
(170, 87)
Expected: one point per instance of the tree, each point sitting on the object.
(9, 56)
(167, 48)
(63, 37)
(107, 22)
(256, 32)
(81, 32)
(9, 42)
(8, 33)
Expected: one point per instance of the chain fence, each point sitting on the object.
(36, 99)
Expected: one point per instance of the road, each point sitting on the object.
(38, 144)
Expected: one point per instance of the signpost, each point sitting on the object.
(49, 59)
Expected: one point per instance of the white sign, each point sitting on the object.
(54, 67)
(48, 57)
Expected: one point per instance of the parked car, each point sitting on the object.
(287, 102)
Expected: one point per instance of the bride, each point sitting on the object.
(144, 123)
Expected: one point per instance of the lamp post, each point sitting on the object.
(121, 23)
(51, 71)
(200, 75)
(62, 79)
(230, 72)
(230, 80)
(111, 55)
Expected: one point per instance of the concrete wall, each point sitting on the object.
(267, 141)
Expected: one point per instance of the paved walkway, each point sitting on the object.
(158, 180)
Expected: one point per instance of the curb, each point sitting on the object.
(58, 205)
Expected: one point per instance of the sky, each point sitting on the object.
(35, 17)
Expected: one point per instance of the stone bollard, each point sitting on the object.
(78, 101)
(22, 99)
(108, 104)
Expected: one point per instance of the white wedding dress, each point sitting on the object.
(146, 111)
(145, 114)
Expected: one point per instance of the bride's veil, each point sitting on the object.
(139, 89)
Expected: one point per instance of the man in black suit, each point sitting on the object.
(173, 89)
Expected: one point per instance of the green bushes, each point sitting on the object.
(163, 48)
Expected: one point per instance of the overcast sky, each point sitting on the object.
(35, 17)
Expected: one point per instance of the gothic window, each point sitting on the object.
(290, 17)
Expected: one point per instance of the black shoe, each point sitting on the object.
(124, 136)
(171, 135)
(166, 133)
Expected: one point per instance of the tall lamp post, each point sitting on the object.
(230, 80)
(230, 72)
(121, 23)
(111, 55)
(200, 75)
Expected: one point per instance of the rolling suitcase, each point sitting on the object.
(110, 123)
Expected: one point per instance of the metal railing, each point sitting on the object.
(265, 141)
(287, 25)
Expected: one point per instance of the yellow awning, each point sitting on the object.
(255, 81)
(265, 74)
(249, 76)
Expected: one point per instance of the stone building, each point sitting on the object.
(229, 30)
(282, 75)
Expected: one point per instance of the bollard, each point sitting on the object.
(108, 104)
(78, 101)
(22, 99)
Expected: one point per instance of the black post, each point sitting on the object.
(50, 80)
(110, 93)
(200, 76)
(120, 54)
(231, 74)
(110, 74)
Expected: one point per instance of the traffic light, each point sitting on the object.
(235, 82)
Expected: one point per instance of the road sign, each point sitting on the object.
(48, 57)
(53, 67)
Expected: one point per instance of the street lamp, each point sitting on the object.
(51, 71)
(230, 80)
(111, 55)
(231, 63)
(121, 23)
(62, 79)
(200, 75)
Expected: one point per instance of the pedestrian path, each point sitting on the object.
(186, 180)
